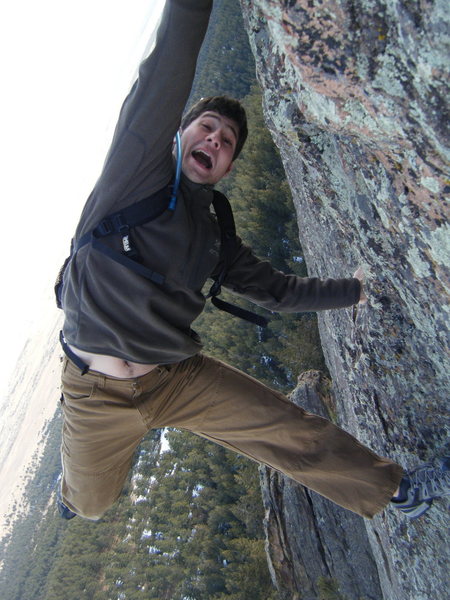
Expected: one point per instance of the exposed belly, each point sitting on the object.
(111, 365)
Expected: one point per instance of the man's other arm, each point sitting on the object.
(257, 281)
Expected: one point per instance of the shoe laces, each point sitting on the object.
(430, 482)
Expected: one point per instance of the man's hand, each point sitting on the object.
(359, 274)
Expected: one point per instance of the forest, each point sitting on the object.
(189, 522)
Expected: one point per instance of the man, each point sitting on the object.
(134, 363)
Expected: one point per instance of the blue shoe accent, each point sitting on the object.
(65, 512)
(421, 486)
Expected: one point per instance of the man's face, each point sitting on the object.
(208, 145)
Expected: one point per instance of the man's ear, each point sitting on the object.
(230, 168)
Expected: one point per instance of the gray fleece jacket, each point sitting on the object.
(110, 309)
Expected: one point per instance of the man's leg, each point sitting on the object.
(236, 411)
(102, 427)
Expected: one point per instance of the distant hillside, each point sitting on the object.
(31, 401)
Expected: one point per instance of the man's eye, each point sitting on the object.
(206, 126)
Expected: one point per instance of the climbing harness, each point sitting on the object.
(228, 247)
(124, 221)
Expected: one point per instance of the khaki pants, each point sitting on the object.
(105, 419)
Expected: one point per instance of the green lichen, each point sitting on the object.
(431, 184)
(420, 267)
(329, 589)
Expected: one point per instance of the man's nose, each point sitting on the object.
(213, 137)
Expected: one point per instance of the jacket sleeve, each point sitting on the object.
(257, 281)
(139, 161)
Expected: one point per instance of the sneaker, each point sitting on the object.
(63, 510)
(419, 488)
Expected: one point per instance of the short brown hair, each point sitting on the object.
(225, 106)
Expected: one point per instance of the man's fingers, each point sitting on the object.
(359, 274)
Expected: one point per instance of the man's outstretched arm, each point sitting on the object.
(139, 161)
(259, 282)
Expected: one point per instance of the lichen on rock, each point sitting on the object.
(356, 97)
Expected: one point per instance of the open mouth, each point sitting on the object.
(202, 158)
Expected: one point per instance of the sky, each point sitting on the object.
(66, 67)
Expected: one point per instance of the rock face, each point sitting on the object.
(355, 97)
